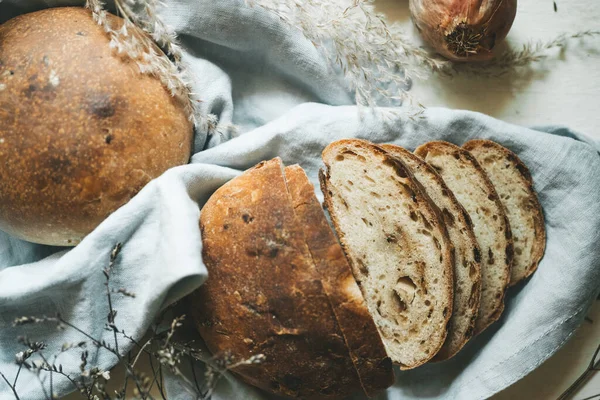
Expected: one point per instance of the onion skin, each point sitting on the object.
(463, 30)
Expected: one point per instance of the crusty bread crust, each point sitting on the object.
(264, 294)
(82, 131)
(492, 295)
(368, 353)
(467, 266)
(524, 264)
(432, 344)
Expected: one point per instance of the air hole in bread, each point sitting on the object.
(445, 312)
(426, 222)
(448, 217)
(495, 217)
(436, 167)
(472, 270)
(427, 303)
(350, 183)
(339, 157)
(345, 204)
(376, 195)
(404, 291)
(247, 218)
(473, 297)
(392, 239)
(490, 256)
(396, 166)
(437, 244)
(413, 216)
(508, 255)
(456, 155)
(362, 267)
(491, 197)
(477, 255)
(518, 251)
(425, 232)
(398, 302)
(408, 190)
(367, 177)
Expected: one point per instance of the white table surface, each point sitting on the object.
(564, 89)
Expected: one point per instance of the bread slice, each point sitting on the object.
(397, 246)
(264, 294)
(473, 189)
(367, 351)
(514, 185)
(467, 256)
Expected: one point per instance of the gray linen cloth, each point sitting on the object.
(253, 71)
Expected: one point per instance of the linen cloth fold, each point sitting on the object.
(253, 71)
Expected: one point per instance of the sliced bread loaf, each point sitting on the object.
(264, 294)
(467, 256)
(397, 246)
(514, 185)
(367, 351)
(473, 189)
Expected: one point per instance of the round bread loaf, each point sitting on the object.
(81, 129)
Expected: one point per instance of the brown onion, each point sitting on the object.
(463, 30)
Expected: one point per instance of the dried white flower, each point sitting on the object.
(377, 59)
(152, 45)
(20, 357)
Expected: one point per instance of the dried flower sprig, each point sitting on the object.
(593, 366)
(152, 45)
(511, 60)
(91, 381)
(377, 58)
